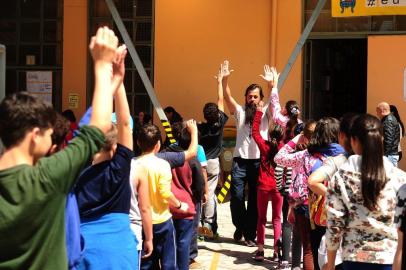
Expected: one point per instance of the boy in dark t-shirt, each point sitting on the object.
(211, 138)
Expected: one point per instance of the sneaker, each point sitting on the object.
(284, 265)
(259, 256)
(194, 265)
(205, 231)
(237, 235)
(250, 243)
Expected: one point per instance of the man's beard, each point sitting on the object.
(250, 109)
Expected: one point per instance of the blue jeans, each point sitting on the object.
(183, 231)
(347, 265)
(164, 247)
(394, 159)
(244, 171)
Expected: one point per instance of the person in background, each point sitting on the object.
(391, 132)
(70, 115)
(395, 113)
(172, 115)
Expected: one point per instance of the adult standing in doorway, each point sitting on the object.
(391, 132)
(211, 138)
(245, 168)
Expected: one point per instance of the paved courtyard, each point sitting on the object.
(224, 253)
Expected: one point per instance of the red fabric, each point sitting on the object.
(266, 179)
(181, 188)
(73, 127)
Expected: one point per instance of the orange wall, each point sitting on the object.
(193, 37)
(386, 64)
(288, 31)
(74, 53)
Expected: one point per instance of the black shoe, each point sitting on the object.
(259, 256)
(237, 235)
(250, 243)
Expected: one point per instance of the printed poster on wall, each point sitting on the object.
(39, 83)
(352, 8)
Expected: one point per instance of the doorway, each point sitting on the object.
(335, 77)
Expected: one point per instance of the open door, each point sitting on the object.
(335, 77)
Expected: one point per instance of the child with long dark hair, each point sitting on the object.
(361, 201)
(266, 183)
(322, 145)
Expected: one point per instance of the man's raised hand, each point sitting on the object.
(225, 69)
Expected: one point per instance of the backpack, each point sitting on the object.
(298, 191)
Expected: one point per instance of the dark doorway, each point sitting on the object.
(335, 77)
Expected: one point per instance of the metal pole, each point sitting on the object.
(300, 43)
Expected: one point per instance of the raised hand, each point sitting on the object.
(274, 82)
(225, 70)
(191, 126)
(103, 45)
(219, 76)
(119, 67)
(268, 75)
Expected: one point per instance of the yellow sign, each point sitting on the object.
(73, 101)
(351, 8)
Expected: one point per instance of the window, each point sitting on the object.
(138, 19)
(32, 32)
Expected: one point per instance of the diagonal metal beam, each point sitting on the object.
(300, 43)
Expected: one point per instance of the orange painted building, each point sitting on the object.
(347, 64)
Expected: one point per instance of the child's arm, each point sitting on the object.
(103, 48)
(263, 147)
(145, 210)
(287, 157)
(125, 137)
(191, 152)
(220, 92)
(397, 261)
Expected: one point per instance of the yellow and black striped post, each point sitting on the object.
(168, 131)
(224, 190)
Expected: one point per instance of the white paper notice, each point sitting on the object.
(39, 83)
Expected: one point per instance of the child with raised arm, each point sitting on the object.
(103, 191)
(266, 183)
(34, 189)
